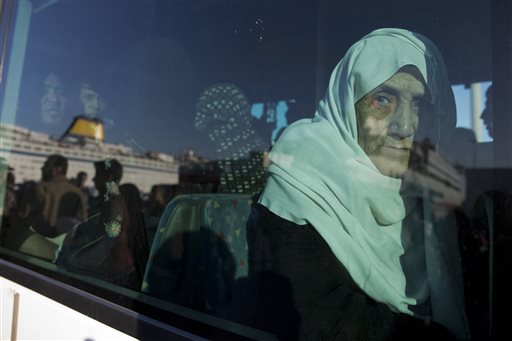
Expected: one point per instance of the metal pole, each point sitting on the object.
(15, 312)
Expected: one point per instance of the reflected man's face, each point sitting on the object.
(53, 102)
(387, 118)
(92, 101)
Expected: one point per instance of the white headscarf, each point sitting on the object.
(321, 176)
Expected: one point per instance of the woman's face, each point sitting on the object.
(387, 118)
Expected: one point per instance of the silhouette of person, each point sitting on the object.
(48, 210)
(487, 113)
(137, 236)
(103, 245)
(223, 113)
(484, 151)
(92, 101)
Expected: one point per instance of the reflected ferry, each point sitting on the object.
(83, 144)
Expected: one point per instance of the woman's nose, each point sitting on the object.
(403, 122)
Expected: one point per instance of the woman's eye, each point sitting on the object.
(382, 100)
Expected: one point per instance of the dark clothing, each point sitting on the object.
(304, 292)
(99, 246)
(136, 232)
(60, 199)
(50, 208)
(54, 206)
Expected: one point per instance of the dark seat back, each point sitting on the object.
(199, 250)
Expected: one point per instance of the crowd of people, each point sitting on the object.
(59, 220)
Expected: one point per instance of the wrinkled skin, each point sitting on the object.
(387, 118)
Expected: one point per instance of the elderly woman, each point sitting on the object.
(340, 247)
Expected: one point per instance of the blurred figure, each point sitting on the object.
(7, 197)
(158, 199)
(100, 246)
(93, 102)
(7, 190)
(10, 192)
(484, 151)
(223, 113)
(79, 181)
(137, 237)
(53, 101)
(10, 204)
(462, 150)
(48, 209)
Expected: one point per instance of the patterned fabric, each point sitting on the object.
(226, 217)
(223, 113)
(245, 176)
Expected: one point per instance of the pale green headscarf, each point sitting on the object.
(319, 174)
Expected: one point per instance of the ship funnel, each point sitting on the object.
(85, 127)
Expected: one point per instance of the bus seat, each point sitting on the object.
(199, 250)
(226, 216)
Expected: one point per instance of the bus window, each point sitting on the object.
(290, 170)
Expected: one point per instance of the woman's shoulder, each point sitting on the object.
(289, 244)
(271, 223)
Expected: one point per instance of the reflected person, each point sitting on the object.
(223, 113)
(53, 101)
(100, 246)
(49, 210)
(484, 151)
(334, 212)
(487, 113)
(92, 101)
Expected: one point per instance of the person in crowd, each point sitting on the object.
(79, 181)
(137, 235)
(484, 151)
(223, 113)
(53, 101)
(48, 210)
(100, 246)
(159, 197)
(338, 246)
(7, 197)
(10, 192)
(8, 201)
(9, 206)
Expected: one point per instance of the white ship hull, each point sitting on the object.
(27, 151)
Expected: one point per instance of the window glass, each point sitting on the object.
(152, 146)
